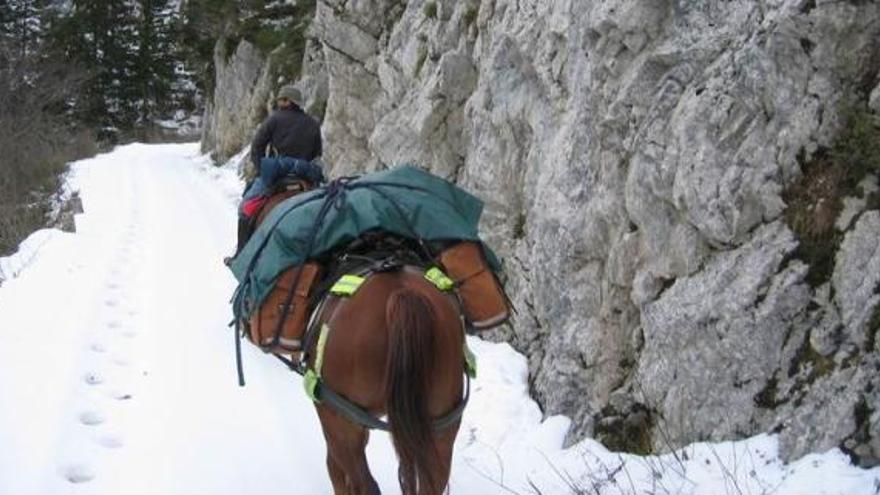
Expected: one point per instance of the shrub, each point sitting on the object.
(816, 200)
(430, 10)
(37, 144)
(470, 16)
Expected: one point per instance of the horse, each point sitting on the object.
(394, 347)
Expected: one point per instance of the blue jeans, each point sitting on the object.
(273, 168)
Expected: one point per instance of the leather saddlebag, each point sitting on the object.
(264, 322)
(483, 299)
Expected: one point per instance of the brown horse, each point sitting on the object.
(395, 347)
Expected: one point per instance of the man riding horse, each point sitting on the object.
(287, 142)
(366, 287)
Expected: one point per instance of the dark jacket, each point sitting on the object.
(291, 133)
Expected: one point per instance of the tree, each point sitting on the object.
(35, 135)
(154, 73)
(21, 26)
(100, 35)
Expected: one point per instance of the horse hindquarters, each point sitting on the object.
(412, 327)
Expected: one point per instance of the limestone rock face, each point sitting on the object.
(633, 157)
(241, 95)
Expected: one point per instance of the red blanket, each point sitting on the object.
(252, 206)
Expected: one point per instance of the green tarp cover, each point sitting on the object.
(405, 201)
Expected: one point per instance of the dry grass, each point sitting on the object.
(815, 201)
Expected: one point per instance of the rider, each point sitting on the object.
(287, 133)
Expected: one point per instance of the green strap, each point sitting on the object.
(312, 377)
(439, 279)
(347, 285)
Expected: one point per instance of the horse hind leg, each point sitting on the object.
(371, 486)
(337, 475)
(346, 456)
(444, 442)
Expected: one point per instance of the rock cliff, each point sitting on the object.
(240, 99)
(657, 177)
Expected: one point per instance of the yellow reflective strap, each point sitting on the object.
(439, 279)
(310, 382)
(347, 285)
(319, 352)
(470, 362)
(312, 377)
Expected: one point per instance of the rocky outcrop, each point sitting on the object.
(635, 157)
(246, 81)
(65, 206)
(240, 101)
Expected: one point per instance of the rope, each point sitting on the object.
(427, 252)
(410, 187)
(333, 196)
(334, 192)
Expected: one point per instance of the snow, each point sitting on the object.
(117, 373)
(182, 124)
(12, 266)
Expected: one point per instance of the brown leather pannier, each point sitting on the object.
(485, 304)
(264, 322)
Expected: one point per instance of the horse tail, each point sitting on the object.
(411, 321)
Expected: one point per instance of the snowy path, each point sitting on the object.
(149, 402)
(117, 374)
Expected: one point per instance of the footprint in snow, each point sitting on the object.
(130, 334)
(78, 473)
(93, 378)
(111, 441)
(98, 347)
(111, 303)
(121, 361)
(113, 324)
(92, 418)
(120, 395)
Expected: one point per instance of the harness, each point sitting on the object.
(345, 287)
(333, 196)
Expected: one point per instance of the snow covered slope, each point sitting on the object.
(117, 373)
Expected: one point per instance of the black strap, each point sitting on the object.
(372, 186)
(334, 198)
(238, 363)
(333, 195)
(294, 366)
(358, 415)
(238, 298)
